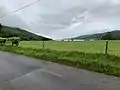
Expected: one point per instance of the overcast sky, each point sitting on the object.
(62, 18)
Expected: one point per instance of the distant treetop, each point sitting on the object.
(0, 26)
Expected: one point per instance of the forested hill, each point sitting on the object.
(6, 32)
(113, 35)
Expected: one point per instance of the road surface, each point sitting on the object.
(24, 73)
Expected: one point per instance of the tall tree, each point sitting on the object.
(0, 30)
(0, 26)
(108, 36)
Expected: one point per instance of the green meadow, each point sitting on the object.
(81, 46)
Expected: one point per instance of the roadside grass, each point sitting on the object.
(108, 64)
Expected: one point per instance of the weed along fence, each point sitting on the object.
(96, 46)
(10, 41)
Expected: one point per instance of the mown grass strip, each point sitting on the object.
(107, 64)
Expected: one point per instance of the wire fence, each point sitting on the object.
(105, 47)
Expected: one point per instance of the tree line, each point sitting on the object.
(110, 36)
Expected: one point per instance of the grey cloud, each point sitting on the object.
(65, 18)
(12, 20)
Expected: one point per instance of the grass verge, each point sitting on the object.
(107, 64)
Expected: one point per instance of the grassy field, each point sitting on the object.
(87, 55)
(88, 47)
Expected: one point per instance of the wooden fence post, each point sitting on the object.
(43, 44)
(106, 48)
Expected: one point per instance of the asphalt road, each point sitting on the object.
(23, 73)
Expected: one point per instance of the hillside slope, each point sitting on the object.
(16, 32)
(115, 34)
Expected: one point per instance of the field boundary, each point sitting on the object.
(108, 64)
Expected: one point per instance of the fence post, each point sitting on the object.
(106, 48)
(43, 43)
